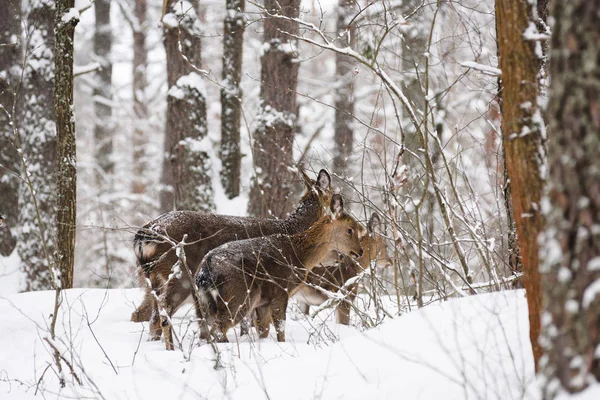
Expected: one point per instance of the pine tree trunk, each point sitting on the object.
(186, 168)
(231, 96)
(274, 135)
(570, 254)
(10, 165)
(140, 106)
(66, 19)
(344, 96)
(522, 140)
(103, 128)
(37, 196)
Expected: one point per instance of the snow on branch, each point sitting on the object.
(86, 69)
(492, 71)
(71, 16)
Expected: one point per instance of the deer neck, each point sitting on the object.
(314, 244)
(305, 215)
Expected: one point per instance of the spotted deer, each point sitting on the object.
(260, 274)
(332, 276)
(155, 249)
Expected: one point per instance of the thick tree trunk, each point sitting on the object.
(103, 129)
(66, 19)
(344, 95)
(522, 140)
(186, 168)
(231, 97)
(140, 106)
(570, 254)
(37, 195)
(274, 135)
(10, 165)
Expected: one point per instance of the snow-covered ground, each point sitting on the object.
(471, 348)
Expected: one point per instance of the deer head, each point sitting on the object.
(374, 245)
(345, 230)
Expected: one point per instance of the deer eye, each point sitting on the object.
(350, 231)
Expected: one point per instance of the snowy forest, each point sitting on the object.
(300, 199)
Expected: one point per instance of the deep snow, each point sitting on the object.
(476, 347)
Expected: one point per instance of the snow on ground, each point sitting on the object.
(11, 277)
(471, 348)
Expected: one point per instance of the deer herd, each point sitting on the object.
(243, 269)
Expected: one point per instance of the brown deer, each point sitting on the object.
(155, 249)
(333, 276)
(261, 273)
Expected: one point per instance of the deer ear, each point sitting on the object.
(324, 180)
(337, 205)
(307, 181)
(374, 223)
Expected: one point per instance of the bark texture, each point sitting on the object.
(64, 255)
(570, 251)
(37, 195)
(103, 128)
(140, 105)
(10, 59)
(274, 134)
(522, 140)
(231, 97)
(186, 168)
(344, 96)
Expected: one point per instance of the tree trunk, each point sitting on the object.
(186, 168)
(344, 96)
(231, 97)
(10, 59)
(570, 254)
(274, 135)
(103, 129)
(66, 19)
(140, 106)
(37, 195)
(522, 140)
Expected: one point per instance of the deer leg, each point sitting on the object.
(304, 307)
(278, 308)
(343, 309)
(165, 323)
(220, 328)
(155, 328)
(172, 297)
(144, 311)
(246, 324)
(263, 320)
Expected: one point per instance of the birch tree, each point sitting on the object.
(274, 132)
(570, 251)
(10, 59)
(186, 167)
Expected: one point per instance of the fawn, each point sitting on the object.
(155, 249)
(332, 276)
(261, 273)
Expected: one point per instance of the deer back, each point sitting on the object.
(154, 242)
